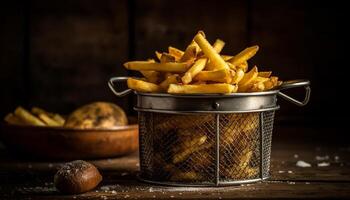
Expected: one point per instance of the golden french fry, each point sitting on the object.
(257, 87)
(271, 83)
(226, 57)
(161, 67)
(186, 176)
(217, 88)
(47, 120)
(238, 76)
(190, 147)
(190, 54)
(151, 76)
(243, 66)
(158, 55)
(209, 51)
(177, 53)
(248, 80)
(244, 55)
(165, 58)
(222, 76)
(197, 67)
(58, 118)
(27, 117)
(260, 79)
(266, 74)
(218, 45)
(142, 86)
(12, 119)
(171, 79)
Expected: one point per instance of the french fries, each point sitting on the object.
(35, 117)
(143, 86)
(196, 68)
(218, 45)
(176, 53)
(221, 76)
(27, 117)
(210, 52)
(216, 88)
(200, 68)
(162, 67)
(244, 55)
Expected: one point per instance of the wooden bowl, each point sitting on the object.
(69, 143)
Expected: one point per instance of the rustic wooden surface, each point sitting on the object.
(22, 179)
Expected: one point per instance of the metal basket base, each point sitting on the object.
(204, 184)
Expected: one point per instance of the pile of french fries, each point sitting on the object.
(35, 117)
(200, 68)
(184, 147)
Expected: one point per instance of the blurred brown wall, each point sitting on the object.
(60, 54)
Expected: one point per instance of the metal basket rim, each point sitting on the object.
(205, 112)
(231, 95)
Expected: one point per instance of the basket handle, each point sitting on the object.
(294, 84)
(111, 84)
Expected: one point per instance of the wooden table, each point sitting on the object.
(33, 180)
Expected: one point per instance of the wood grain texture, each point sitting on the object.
(28, 179)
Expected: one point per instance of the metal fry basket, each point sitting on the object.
(207, 139)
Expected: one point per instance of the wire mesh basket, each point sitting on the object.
(207, 140)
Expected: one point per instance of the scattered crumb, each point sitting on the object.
(126, 196)
(296, 156)
(323, 164)
(50, 165)
(336, 158)
(74, 197)
(154, 196)
(281, 172)
(291, 183)
(124, 174)
(30, 166)
(151, 189)
(307, 183)
(282, 162)
(171, 196)
(322, 158)
(114, 192)
(180, 193)
(301, 163)
(290, 172)
(137, 164)
(104, 197)
(318, 148)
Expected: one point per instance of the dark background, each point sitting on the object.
(60, 54)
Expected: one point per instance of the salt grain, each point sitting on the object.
(322, 158)
(124, 174)
(307, 183)
(296, 156)
(336, 158)
(323, 164)
(290, 172)
(50, 165)
(301, 163)
(281, 172)
(291, 183)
